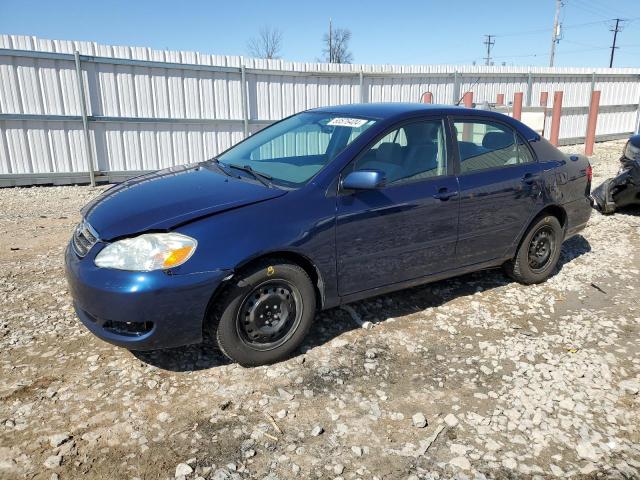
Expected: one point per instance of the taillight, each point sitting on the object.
(589, 172)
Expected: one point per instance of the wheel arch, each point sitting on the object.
(555, 210)
(294, 257)
(297, 258)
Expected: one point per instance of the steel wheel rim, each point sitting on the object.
(541, 248)
(269, 315)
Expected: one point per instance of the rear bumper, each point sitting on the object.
(140, 310)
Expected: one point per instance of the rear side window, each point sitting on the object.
(486, 145)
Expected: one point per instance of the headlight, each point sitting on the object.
(151, 251)
(632, 152)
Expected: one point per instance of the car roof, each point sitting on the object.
(383, 111)
(396, 111)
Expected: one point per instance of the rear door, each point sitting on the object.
(408, 228)
(500, 185)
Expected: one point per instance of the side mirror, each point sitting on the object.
(364, 180)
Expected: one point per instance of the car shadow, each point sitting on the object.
(201, 356)
(633, 210)
(336, 321)
(332, 323)
(571, 249)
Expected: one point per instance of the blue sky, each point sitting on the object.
(399, 31)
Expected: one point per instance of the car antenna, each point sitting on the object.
(470, 88)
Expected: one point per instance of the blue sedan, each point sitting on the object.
(325, 207)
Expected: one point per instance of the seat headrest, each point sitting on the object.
(388, 152)
(497, 140)
(421, 132)
(426, 150)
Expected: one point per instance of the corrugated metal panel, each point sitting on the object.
(189, 106)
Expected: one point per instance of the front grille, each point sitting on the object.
(84, 237)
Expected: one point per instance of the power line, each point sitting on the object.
(591, 9)
(564, 27)
(608, 10)
(489, 43)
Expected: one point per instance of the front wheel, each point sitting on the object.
(538, 253)
(266, 313)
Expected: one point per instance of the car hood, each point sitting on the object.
(166, 198)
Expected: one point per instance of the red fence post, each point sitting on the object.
(468, 99)
(427, 97)
(592, 122)
(467, 131)
(544, 99)
(555, 118)
(500, 99)
(517, 105)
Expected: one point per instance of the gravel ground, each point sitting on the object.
(472, 377)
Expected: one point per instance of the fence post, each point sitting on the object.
(555, 118)
(592, 121)
(529, 89)
(467, 99)
(517, 105)
(427, 97)
(361, 79)
(85, 121)
(544, 99)
(243, 95)
(500, 99)
(467, 129)
(456, 88)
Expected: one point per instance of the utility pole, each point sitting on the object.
(489, 43)
(615, 30)
(330, 42)
(555, 35)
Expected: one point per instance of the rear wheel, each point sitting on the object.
(266, 313)
(538, 253)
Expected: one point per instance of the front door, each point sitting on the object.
(408, 228)
(500, 184)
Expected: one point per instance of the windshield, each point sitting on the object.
(292, 151)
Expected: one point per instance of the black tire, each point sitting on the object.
(532, 264)
(277, 290)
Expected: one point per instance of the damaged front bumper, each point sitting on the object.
(140, 310)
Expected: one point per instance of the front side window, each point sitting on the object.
(412, 152)
(294, 150)
(486, 145)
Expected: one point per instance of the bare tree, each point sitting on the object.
(267, 44)
(336, 45)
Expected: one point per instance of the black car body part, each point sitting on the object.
(623, 189)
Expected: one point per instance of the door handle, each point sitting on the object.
(444, 194)
(531, 178)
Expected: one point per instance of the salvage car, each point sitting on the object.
(325, 207)
(622, 190)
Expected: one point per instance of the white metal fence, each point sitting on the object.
(148, 109)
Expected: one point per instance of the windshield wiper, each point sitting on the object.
(261, 177)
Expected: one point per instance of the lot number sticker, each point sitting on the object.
(347, 122)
